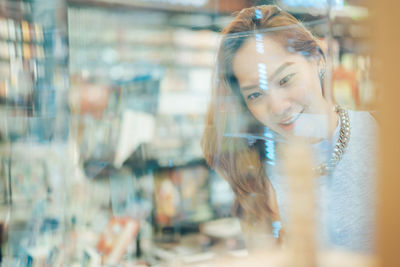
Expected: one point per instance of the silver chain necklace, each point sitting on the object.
(341, 143)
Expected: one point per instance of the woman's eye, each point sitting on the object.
(253, 96)
(286, 79)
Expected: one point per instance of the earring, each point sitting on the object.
(322, 74)
(251, 141)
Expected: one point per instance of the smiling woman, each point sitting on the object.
(269, 88)
(293, 88)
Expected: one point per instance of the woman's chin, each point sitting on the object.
(289, 133)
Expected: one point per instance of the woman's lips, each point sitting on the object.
(288, 124)
(287, 127)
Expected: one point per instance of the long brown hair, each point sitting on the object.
(227, 143)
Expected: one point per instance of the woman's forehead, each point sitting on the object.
(263, 46)
(266, 52)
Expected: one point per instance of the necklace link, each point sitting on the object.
(341, 143)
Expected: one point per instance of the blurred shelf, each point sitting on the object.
(33, 150)
(144, 46)
(210, 7)
(347, 11)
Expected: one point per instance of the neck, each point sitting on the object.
(333, 122)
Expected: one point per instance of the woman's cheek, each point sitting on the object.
(300, 95)
(260, 113)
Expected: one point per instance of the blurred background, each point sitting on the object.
(102, 108)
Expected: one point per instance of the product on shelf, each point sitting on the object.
(118, 235)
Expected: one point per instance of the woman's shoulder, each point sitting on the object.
(363, 123)
(362, 116)
(363, 140)
(362, 147)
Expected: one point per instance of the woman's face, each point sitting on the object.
(278, 87)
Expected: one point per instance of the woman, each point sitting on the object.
(269, 82)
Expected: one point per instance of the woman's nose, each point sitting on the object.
(278, 102)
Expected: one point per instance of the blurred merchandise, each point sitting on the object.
(33, 70)
(102, 110)
(116, 238)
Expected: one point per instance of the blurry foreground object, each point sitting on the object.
(301, 229)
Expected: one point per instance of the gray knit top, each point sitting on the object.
(345, 198)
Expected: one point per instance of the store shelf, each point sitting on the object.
(210, 7)
(347, 11)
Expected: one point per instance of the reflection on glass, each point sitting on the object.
(270, 91)
(101, 157)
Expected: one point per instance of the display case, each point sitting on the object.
(130, 139)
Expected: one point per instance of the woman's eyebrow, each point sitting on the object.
(276, 72)
(280, 69)
(254, 86)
